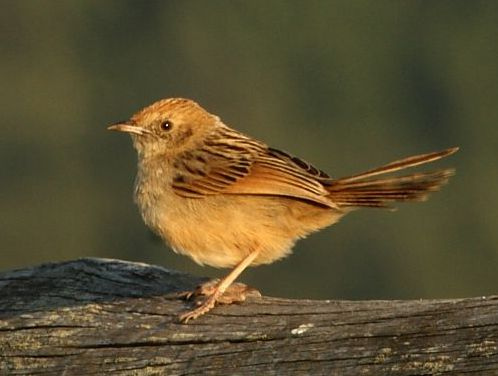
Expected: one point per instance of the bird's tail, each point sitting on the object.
(363, 190)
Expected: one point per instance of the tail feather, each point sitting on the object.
(402, 164)
(362, 191)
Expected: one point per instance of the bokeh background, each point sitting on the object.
(344, 84)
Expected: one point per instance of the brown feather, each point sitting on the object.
(401, 164)
(232, 163)
(267, 181)
(360, 192)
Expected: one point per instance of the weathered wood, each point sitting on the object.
(97, 316)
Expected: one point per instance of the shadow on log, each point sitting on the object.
(99, 316)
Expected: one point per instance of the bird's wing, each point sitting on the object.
(232, 163)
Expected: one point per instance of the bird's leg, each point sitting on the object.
(214, 290)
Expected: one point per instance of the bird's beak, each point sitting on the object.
(124, 126)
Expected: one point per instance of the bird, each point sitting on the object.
(228, 200)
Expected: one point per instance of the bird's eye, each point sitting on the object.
(166, 125)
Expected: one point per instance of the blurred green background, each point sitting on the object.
(346, 85)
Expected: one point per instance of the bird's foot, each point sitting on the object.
(208, 294)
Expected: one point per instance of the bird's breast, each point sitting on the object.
(220, 230)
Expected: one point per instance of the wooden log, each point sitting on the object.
(99, 316)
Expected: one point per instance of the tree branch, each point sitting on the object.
(98, 316)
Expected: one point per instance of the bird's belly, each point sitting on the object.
(221, 230)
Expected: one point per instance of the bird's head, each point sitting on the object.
(168, 127)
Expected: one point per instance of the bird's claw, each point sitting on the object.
(207, 296)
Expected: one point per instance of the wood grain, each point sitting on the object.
(100, 316)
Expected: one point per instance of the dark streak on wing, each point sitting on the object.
(308, 167)
(236, 164)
